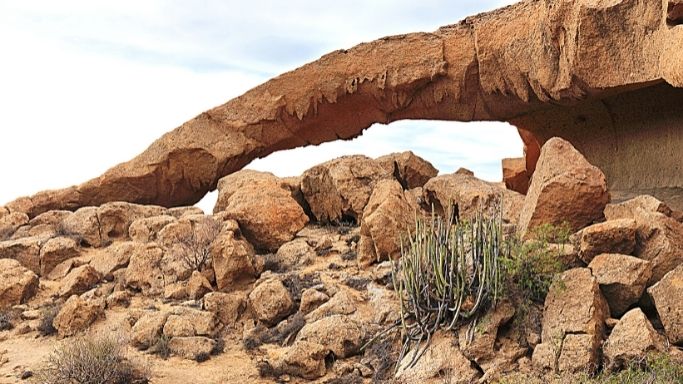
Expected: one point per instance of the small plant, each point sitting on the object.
(47, 316)
(448, 274)
(194, 250)
(202, 357)
(88, 360)
(5, 321)
(161, 347)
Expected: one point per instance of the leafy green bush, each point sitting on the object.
(89, 360)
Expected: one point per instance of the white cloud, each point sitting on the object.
(85, 85)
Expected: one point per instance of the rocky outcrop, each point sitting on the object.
(267, 214)
(338, 190)
(469, 195)
(410, 170)
(565, 188)
(622, 279)
(573, 324)
(613, 236)
(17, 284)
(666, 295)
(515, 175)
(387, 219)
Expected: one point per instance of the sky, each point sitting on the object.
(87, 84)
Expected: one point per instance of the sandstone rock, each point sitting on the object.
(442, 360)
(338, 333)
(198, 286)
(118, 299)
(144, 270)
(115, 218)
(191, 348)
(481, 348)
(622, 279)
(227, 306)
(659, 239)
(388, 218)
(564, 188)
(311, 299)
(306, 360)
(270, 301)
(267, 213)
(666, 295)
(178, 326)
(25, 250)
(76, 315)
(179, 212)
(515, 175)
(51, 218)
(631, 339)
(613, 236)
(148, 329)
(338, 190)
(545, 356)
(341, 303)
(10, 223)
(574, 307)
(84, 225)
(17, 284)
(117, 256)
(176, 291)
(204, 323)
(55, 251)
(233, 260)
(628, 209)
(410, 170)
(147, 229)
(290, 255)
(79, 280)
(469, 195)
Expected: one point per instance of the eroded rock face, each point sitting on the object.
(233, 260)
(515, 175)
(55, 251)
(667, 298)
(565, 188)
(573, 323)
(267, 214)
(469, 194)
(17, 284)
(339, 190)
(387, 219)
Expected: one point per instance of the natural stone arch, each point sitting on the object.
(570, 68)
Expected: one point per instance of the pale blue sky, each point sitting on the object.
(87, 84)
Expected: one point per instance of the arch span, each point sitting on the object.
(552, 67)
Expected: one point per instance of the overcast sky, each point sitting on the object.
(87, 84)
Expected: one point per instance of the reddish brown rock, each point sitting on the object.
(628, 209)
(17, 284)
(79, 280)
(25, 250)
(666, 295)
(469, 195)
(565, 188)
(233, 260)
(55, 251)
(270, 301)
(84, 226)
(228, 307)
(267, 214)
(622, 279)
(191, 348)
(117, 256)
(306, 360)
(631, 339)
(613, 236)
(76, 315)
(144, 269)
(388, 219)
(147, 229)
(338, 190)
(115, 218)
(198, 286)
(148, 329)
(515, 175)
(338, 333)
(659, 239)
(410, 170)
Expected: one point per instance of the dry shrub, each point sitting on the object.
(90, 360)
(5, 321)
(47, 317)
(194, 250)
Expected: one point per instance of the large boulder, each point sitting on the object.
(25, 250)
(115, 218)
(564, 188)
(305, 359)
(77, 315)
(666, 295)
(270, 301)
(144, 272)
(148, 329)
(17, 283)
(613, 236)
(338, 190)
(631, 339)
(192, 347)
(266, 212)
(233, 260)
(55, 251)
(515, 175)
(621, 278)
(387, 219)
(659, 239)
(339, 334)
(108, 260)
(84, 226)
(147, 229)
(79, 280)
(469, 195)
(410, 170)
(628, 209)
(573, 323)
(227, 306)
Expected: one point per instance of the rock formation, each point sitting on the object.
(604, 75)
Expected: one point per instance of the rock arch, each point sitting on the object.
(604, 74)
